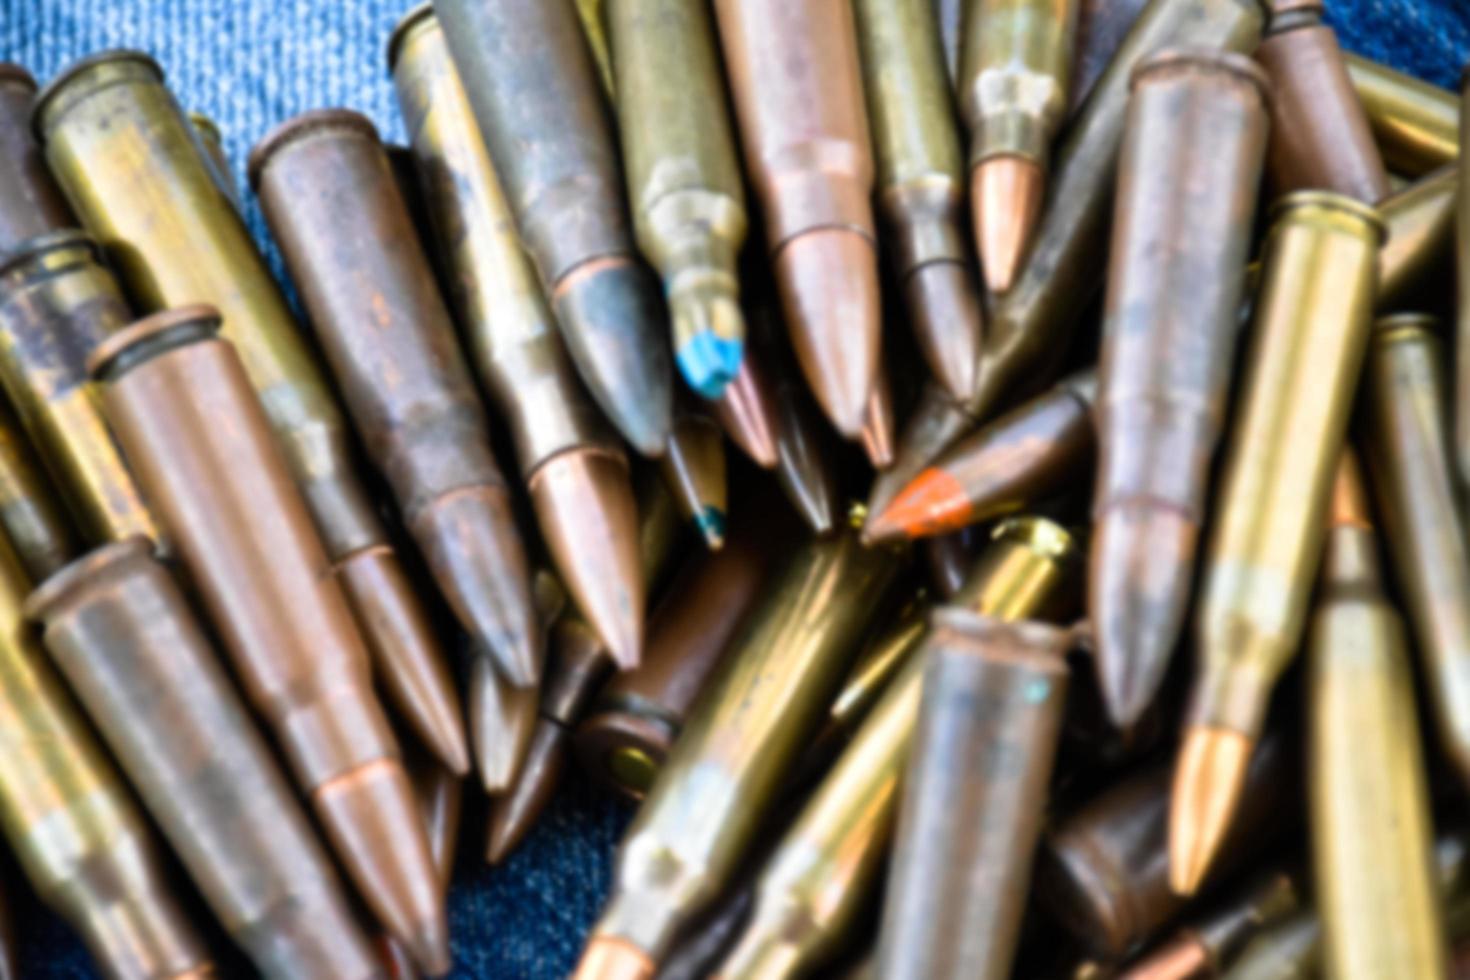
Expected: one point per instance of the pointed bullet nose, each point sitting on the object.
(878, 429)
(1005, 193)
(709, 337)
(694, 469)
(1208, 779)
(589, 519)
(502, 718)
(611, 317)
(934, 503)
(607, 958)
(944, 305)
(747, 415)
(828, 281)
(430, 947)
(932, 427)
(514, 815)
(804, 466)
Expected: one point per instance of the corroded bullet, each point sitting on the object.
(196, 435)
(30, 202)
(1320, 136)
(1103, 871)
(124, 636)
(812, 889)
(1025, 454)
(30, 513)
(1169, 328)
(214, 148)
(133, 167)
(973, 797)
(693, 465)
(1406, 412)
(920, 186)
(684, 181)
(1065, 264)
(1416, 124)
(333, 205)
(736, 750)
(796, 78)
(1372, 840)
(1418, 253)
(1301, 371)
(1101, 27)
(534, 90)
(574, 467)
(1015, 63)
(81, 840)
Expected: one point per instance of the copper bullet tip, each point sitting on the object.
(878, 431)
(502, 718)
(1208, 779)
(514, 815)
(607, 958)
(828, 280)
(430, 947)
(933, 503)
(1180, 958)
(1005, 193)
(945, 305)
(745, 415)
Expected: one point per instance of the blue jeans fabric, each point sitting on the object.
(250, 64)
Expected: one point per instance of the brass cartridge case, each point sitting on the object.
(214, 147)
(30, 512)
(30, 202)
(1416, 124)
(1418, 253)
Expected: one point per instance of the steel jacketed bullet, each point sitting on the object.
(736, 750)
(1015, 67)
(136, 172)
(684, 181)
(30, 513)
(1170, 325)
(534, 90)
(1301, 372)
(576, 471)
(920, 190)
(1417, 125)
(797, 82)
(197, 437)
(124, 636)
(30, 202)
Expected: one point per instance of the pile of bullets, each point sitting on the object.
(914, 738)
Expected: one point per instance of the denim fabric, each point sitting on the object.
(249, 64)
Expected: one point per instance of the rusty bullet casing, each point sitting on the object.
(1372, 839)
(58, 302)
(1418, 253)
(738, 744)
(796, 77)
(693, 465)
(1169, 326)
(1301, 371)
(213, 142)
(920, 183)
(1101, 27)
(333, 205)
(71, 821)
(1320, 136)
(124, 636)
(30, 202)
(1406, 413)
(1416, 124)
(196, 436)
(533, 87)
(30, 512)
(575, 469)
(685, 185)
(973, 797)
(820, 877)
(137, 174)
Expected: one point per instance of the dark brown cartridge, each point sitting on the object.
(30, 202)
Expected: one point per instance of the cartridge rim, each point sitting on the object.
(1039, 644)
(1041, 534)
(1227, 62)
(1287, 15)
(42, 106)
(1332, 201)
(417, 19)
(93, 569)
(301, 126)
(1408, 320)
(47, 243)
(151, 336)
(12, 72)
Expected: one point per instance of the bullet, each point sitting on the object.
(1372, 840)
(796, 78)
(920, 183)
(877, 435)
(1416, 125)
(736, 749)
(1015, 63)
(1301, 371)
(30, 202)
(1170, 323)
(123, 635)
(1103, 870)
(693, 466)
(214, 148)
(198, 440)
(30, 516)
(333, 206)
(685, 186)
(502, 720)
(973, 797)
(746, 411)
(1101, 27)
(80, 838)
(533, 87)
(440, 794)
(135, 171)
(934, 424)
(1320, 136)
(1064, 265)
(1418, 253)
(812, 889)
(1030, 452)
(1406, 411)
(574, 467)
